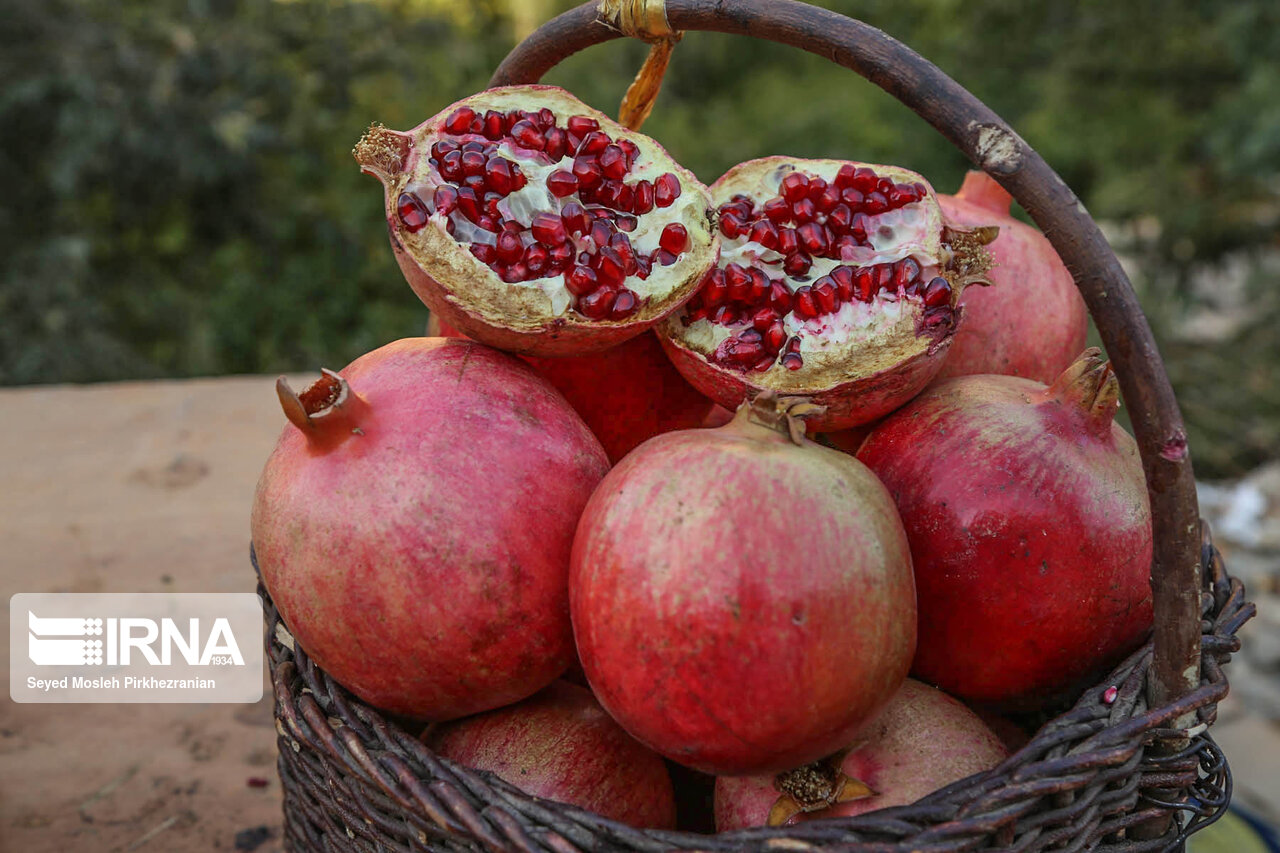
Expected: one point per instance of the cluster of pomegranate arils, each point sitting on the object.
(586, 240)
(808, 219)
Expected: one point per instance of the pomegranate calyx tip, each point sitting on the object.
(783, 414)
(324, 396)
(815, 786)
(382, 152)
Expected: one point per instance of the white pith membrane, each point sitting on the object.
(531, 303)
(859, 338)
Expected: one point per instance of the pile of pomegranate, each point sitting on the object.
(695, 477)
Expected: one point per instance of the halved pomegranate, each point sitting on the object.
(837, 281)
(533, 223)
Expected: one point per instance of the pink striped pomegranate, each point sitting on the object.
(531, 222)
(742, 597)
(560, 744)
(414, 525)
(1030, 530)
(1033, 323)
(836, 281)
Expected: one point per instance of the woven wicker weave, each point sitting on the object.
(1137, 773)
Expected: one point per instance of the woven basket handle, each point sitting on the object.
(993, 146)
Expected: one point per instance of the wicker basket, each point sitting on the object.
(1130, 769)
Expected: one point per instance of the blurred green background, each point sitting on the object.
(179, 198)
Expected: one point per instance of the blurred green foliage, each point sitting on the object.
(179, 198)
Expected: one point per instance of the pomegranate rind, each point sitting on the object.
(887, 363)
(742, 604)
(518, 317)
(423, 560)
(1033, 322)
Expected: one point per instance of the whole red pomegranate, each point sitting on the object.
(533, 223)
(922, 741)
(560, 744)
(1033, 323)
(414, 523)
(837, 281)
(627, 394)
(742, 597)
(1030, 530)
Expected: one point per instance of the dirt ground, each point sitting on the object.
(146, 487)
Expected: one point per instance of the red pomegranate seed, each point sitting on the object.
(446, 199)
(575, 217)
(666, 189)
(621, 244)
(804, 210)
(864, 282)
(884, 186)
(1109, 695)
(597, 305)
(610, 268)
(469, 205)
(588, 172)
(593, 143)
(824, 295)
(560, 256)
(451, 166)
(840, 218)
(715, 291)
(443, 147)
(731, 225)
(939, 317)
(906, 271)
(853, 198)
(775, 336)
(777, 210)
(792, 361)
(581, 125)
(477, 145)
(844, 247)
(938, 292)
(413, 213)
(642, 198)
(509, 248)
(875, 203)
(548, 229)
(561, 183)
(536, 257)
(804, 306)
(557, 144)
(901, 196)
(665, 258)
(817, 186)
(488, 223)
(546, 118)
(626, 223)
(614, 162)
(738, 281)
(494, 124)
(600, 232)
(484, 253)
(884, 277)
(793, 343)
(864, 179)
(765, 233)
(607, 194)
(843, 277)
(514, 273)
(459, 121)
(643, 266)
(472, 163)
(626, 197)
(580, 281)
(527, 134)
(475, 183)
(759, 294)
(742, 210)
(794, 186)
(624, 306)
(763, 319)
(859, 227)
(725, 315)
(630, 149)
(844, 177)
(674, 238)
(499, 176)
(796, 264)
(780, 297)
(788, 243)
(812, 237)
